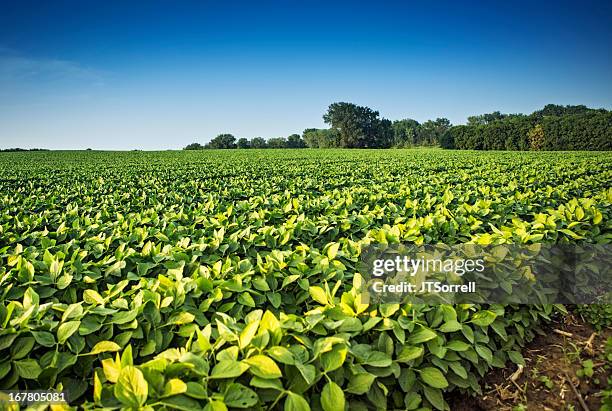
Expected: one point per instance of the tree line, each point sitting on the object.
(18, 149)
(229, 141)
(554, 127)
(351, 126)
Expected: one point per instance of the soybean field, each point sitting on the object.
(227, 279)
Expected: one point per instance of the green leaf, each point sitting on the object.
(247, 334)
(468, 333)
(378, 359)
(111, 369)
(422, 335)
(265, 383)
(21, 347)
(246, 300)
(597, 217)
(433, 377)
(104, 346)
(334, 358)
(450, 326)
(93, 297)
(30, 298)
(239, 396)
(289, 279)
(44, 338)
(263, 367)
(483, 318)
(127, 357)
(215, 405)
(484, 352)
(516, 357)
(332, 250)
(318, 294)
(409, 353)
(131, 387)
(179, 402)
(225, 332)
(124, 317)
(275, 299)
(65, 330)
(412, 400)
(308, 372)
(27, 369)
(407, 379)
(281, 354)
(387, 310)
(457, 345)
(570, 233)
(174, 386)
(360, 383)
(73, 311)
(295, 402)
(269, 322)
(97, 388)
(435, 397)
(5, 368)
(196, 390)
(181, 318)
(500, 329)
(228, 369)
(458, 369)
(27, 268)
(332, 397)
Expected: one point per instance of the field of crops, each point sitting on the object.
(225, 279)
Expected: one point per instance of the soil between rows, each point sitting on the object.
(552, 360)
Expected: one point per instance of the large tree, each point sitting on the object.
(258, 142)
(321, 138)
(194, 146)
(405, 133)
(295, 141)
(357, 126)
(277, 142)
(383, 134)
(223, 141)
(243, 143)
(431, 131)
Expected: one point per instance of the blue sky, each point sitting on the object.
(161, 74)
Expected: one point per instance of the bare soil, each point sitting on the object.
(545, 383)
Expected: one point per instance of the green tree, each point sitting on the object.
(243, 143)
(536, 138)
(485, 118)
(321, 138)
(405, 132)
(554, 127)
(192, 146)
(295, 141)
(357, 126)
(431, 131)
(258, 142)
(222, 141)
(277, 142)
(558, 110)
(383, 134)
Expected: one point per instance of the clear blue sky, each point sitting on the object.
(162, 74)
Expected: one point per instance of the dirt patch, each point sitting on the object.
(554, 361)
